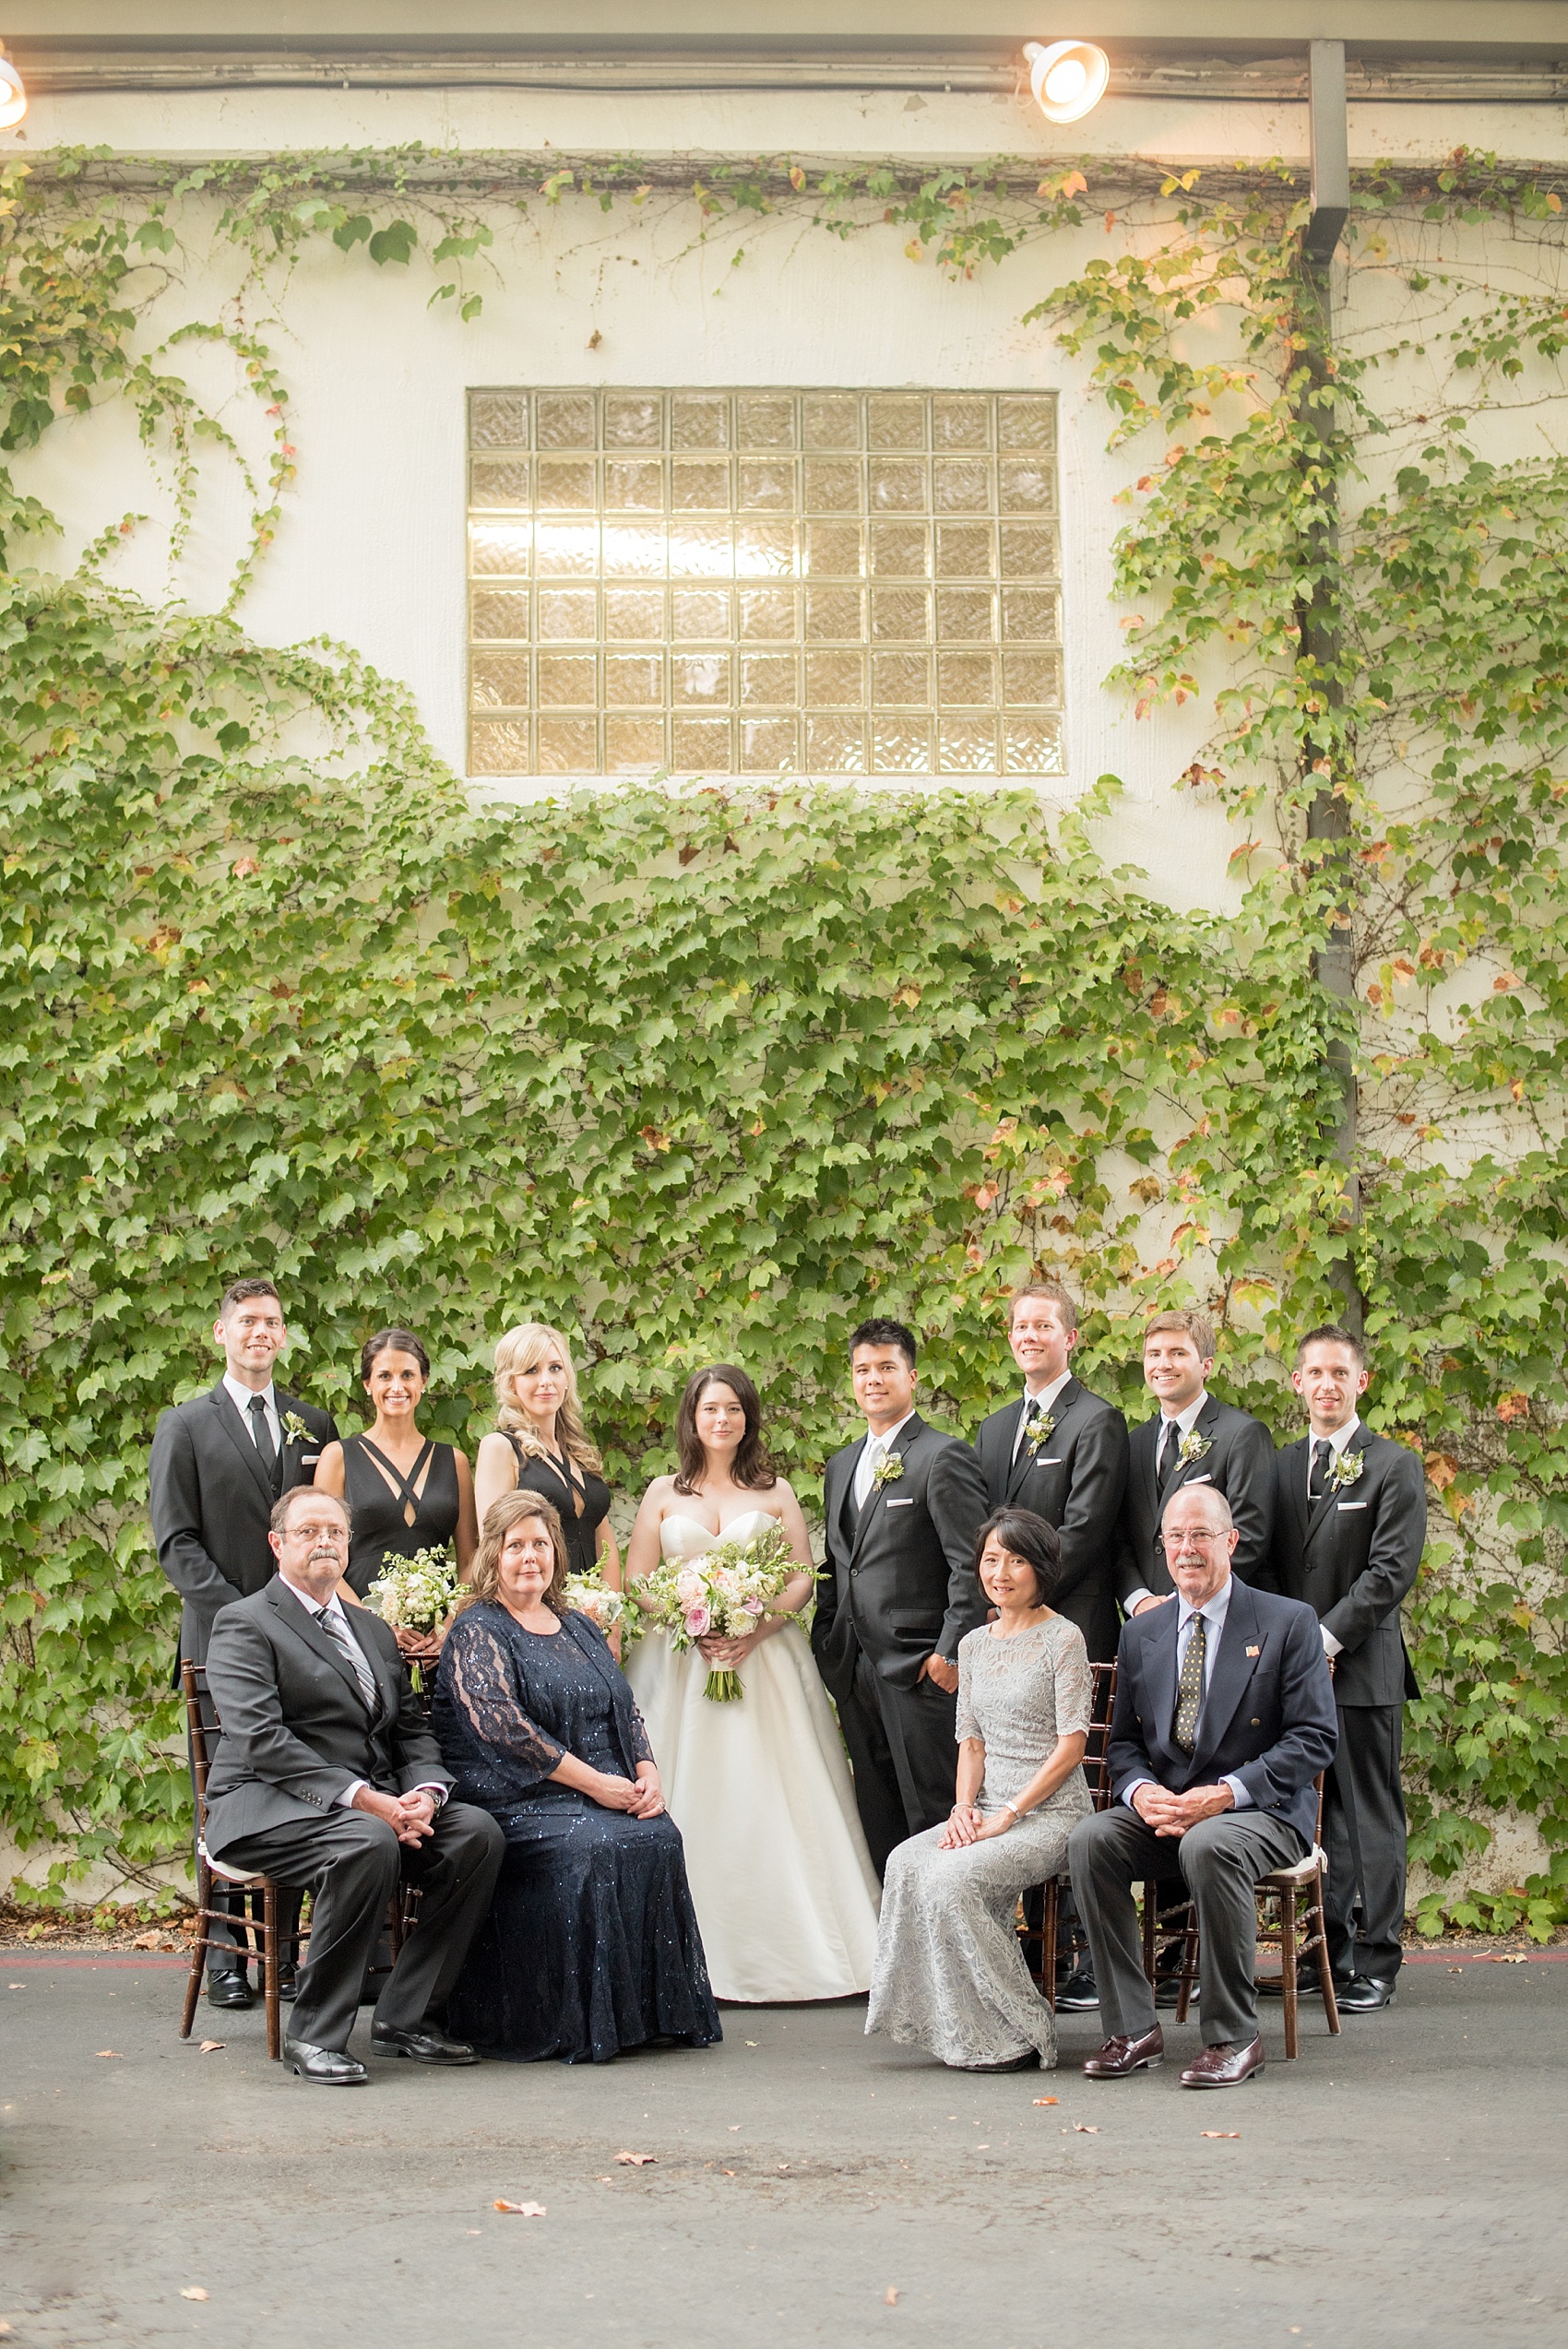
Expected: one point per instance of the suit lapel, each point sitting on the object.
(1296, 1458)
(1233, 1667)
(1160, 1659)
(1321, 1511)
(912, 1426)
(229, 1421)
(303, 1625)
(1071, 1393)
(1019, 1462)
(1203, 1425)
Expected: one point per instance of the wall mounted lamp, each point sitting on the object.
(1068, 77)
(13, 97)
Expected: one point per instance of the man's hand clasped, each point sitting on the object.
(411, 1817)
(1170, 1814)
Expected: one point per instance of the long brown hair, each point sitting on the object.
(753, 1468)
(511, 1510)
(521, 1351)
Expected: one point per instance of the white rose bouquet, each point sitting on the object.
(414, 1594)
(608, 1611)
(722, 1596)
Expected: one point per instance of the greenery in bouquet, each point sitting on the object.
(724, 1594)
(414, 1593)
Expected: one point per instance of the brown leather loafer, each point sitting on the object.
(1119, 2058)
(1224, 2066)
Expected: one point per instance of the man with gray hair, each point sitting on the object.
(1224, 1716)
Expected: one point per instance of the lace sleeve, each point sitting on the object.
(1075, 1682)
(483, 1685)
(642, 1747)
(965, 1725)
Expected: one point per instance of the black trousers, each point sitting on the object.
(1363, 1833)
(351, 1863)
(1220, 1860)
(904, 1754)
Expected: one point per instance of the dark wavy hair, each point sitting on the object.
(1033, 1539)
(392, 1341)
(753, 1468)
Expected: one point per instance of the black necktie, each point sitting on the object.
(263, 1436)
(1170, 1445)
(1031, 1413)
(1322, 1452)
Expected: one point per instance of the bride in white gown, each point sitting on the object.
(785, 1890)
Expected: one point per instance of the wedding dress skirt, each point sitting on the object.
(785, 1891)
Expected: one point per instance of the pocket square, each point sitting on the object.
(1054, 1462)
(908, 1503)
(1352, 1504)
(1204, 1479)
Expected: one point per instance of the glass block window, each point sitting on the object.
(733, 582)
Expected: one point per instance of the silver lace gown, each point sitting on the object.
(950, 1975)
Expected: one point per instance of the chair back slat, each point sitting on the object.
(1097, 1768)
(197, 1695)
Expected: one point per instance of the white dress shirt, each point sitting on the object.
(1045, 1399)
(334, 1608)
(875, 1450)
(241, 1397)
(1337, 1442)
(1183, 1423)
(1214, 1612)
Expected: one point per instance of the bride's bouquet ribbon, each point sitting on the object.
(722, 1594)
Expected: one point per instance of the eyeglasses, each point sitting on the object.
(1176, 1543)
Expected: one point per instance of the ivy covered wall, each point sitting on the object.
(697, 1072)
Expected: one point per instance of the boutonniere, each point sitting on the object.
(294, 1428)
(1345, 1471)
(1039, 1434)
(1194, 1447)
(888, 1470)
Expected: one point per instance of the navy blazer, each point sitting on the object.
(1268, 1719)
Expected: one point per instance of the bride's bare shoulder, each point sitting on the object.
(661, 1490)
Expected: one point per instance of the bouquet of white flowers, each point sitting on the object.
(722, 1596)
(605, 1608)
(414, 1593)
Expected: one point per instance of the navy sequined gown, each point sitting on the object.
(591, 1944)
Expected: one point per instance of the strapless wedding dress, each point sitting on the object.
(785, 1891)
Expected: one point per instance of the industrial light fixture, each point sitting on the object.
(1068, 77)
(13, 97)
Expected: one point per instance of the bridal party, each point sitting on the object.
(720, 1770)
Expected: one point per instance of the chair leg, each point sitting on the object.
(1288, 1966)
(1188, 1962)
(269, 1970)
(1047, 1925)
(1325, 1975)
(198, 1949)
(1151, 1928)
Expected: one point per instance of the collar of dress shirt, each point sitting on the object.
(1341, 1436)
(309, 1601)
(1188, 1419)
(888, 1440)
(1047, 1394)
(241, 1396)
(1213, 1610)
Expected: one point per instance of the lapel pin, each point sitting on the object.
(1254, 1651)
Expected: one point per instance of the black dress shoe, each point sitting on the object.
(1364, 1993)
(228, 1986)
(425, 2044)
(289, 1983)
(327, 2066)
(1080, 1992)
(1309, 1984)
(1025, 2062)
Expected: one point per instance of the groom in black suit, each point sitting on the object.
(897, 1594)
(218, 1464)
(1350, 1525)
(1224, 1716)
(327, 1776)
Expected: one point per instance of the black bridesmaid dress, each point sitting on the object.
(379, 1523)
(591, 1945)
(579, 1487)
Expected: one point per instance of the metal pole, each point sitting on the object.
(1328, 817)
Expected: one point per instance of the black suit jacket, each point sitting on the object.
(296, 1732)
(1267, 1718)
(1353, 1555)
(211, 1501)
(1238, 1462)
(899, 1582)
(1075, 1481)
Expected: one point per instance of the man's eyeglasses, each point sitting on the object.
(1176, 1543)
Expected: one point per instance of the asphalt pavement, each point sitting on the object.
(1403, 2184)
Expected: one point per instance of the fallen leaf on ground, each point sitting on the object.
(1219, 2132)
(605, 2181)
(729, 2173)
(473, 2230)
(783, 2165)
(753, 2043)
(1048, 2100)
(891, 2295)
(210, 2047)
(519, 2210)
(636, 2160)
(194, 2292)
(1085, 2128)
(1506, 1957)
(147, 1941)
(114, 2052)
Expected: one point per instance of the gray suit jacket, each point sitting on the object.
(296, 1733)
(899, 1582)
(211, 1500)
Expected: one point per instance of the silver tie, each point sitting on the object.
(339, 1634)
